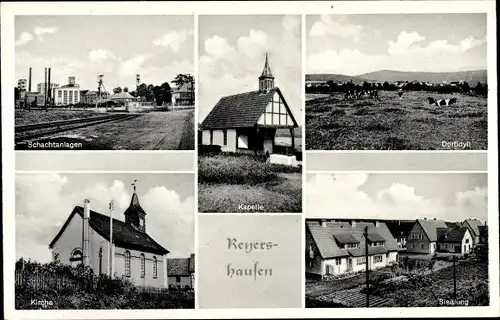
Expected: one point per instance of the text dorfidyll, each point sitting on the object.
(255, 269)
(456, 144)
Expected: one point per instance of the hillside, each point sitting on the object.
(337, 78)
(472, 76)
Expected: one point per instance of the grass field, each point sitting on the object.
(227, 181)
(38, 116)
(333, 123)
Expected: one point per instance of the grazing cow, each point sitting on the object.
(441, 102)
(374, 94)
(400, 93)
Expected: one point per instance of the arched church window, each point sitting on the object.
(143, 266)
(127, 263)
(155, 267)
(76, 257)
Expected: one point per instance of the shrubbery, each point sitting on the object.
(239, 169)
(80, 288)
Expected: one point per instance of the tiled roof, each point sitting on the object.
(452, 235)
(122, 95)
(240, 110)
(185, 87)
(358, 252)
(430, 227)
(344, 238)
(373, 236)
(180, 266)
(124, 234)
(324, 237)
(474, 224)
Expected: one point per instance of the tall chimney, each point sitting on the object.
(29, 81)
(85, 232)
(49, 89)
(45, 89)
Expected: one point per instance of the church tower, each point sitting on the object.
(135, 215)
(266, 79)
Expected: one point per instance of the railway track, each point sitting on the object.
(39, 130)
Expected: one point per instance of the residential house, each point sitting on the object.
(181, 272)
(423, 236)
(183, 95)
(247, 122)
(85, 238)
(400, 229)
(473, 226)
(334, 248)
(454, 240)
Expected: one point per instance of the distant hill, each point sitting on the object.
(472, 76)
(337, 78)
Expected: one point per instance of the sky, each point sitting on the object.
(449, 197)
(45, 201)
(358, 44)
(118, 47)
(232, 54)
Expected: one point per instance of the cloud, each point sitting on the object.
(253, 44)
(335, 26)
(342, 196)
(132, 66)
(403, 54)
(98, 55)
(218, 47)
(42, 206)
(24, 38)
(40, 31)
(173, 40)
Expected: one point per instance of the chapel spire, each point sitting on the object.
(135, 214)
(266, 79)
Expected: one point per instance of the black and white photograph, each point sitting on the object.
(250, 134)
(396, 240)
(104, 82)
(104, 241)
(396, 82)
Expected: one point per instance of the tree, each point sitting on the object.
(125, 89)
(162, 93)
(117, 90)
(16, 94)
(180, 79)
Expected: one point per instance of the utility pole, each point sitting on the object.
(367, 269)
(111, 251)
(454, 277)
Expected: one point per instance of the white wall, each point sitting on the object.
(72, 238)
(243, 141)
(334, 269)
(205, 139)
(427, 245)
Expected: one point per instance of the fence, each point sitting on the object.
(59, 282)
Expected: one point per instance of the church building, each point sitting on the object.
(85, 238)
(247, 122)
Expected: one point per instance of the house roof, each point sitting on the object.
(122, 95)
(373, 236)
(324, 237)
(185, 87)
(430, 227)
(400, 228)
(474, 224)
(344, 238)
(452, 235)
(124, 234)
(180, 266)
(358, 252)
(241, 110)
(452, 225)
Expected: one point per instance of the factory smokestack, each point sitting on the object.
(29, 81)
(45, 89)
(85, 232)
(49, 89)
(137, 81)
